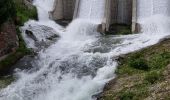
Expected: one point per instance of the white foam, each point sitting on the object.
(68, 71)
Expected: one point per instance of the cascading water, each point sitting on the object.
(89, 10)
(154, 16)
(78, 65)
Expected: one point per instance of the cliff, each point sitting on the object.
(12, 47)
(8, 38)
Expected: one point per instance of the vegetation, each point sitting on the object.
(153, 76)
(5, 80)
(23, 12)
(7, 10)
(119, 29)
(143, 74)
(11, 59)
(16, 10)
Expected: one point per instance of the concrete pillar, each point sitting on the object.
(134, 16)
(63, 10)
(76, 9)
(117, 12)
(104, 26)
(107, 16)
(57, 13)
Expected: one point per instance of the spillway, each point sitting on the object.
(153, 15)
(82, 61)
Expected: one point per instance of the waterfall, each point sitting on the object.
(81, 62)
(92, 10)
(154, 15)
(44, 7)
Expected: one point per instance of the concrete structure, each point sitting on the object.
(76, 9)
(135, 25)
(63, 10)
(117, 12)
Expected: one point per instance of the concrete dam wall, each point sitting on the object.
(117, 13)
(63, 10)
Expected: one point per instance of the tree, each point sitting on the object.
(7, 10)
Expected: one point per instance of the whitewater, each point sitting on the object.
(82, 61)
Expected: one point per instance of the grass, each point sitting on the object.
(144, 61)
(140, 73)
(153, 77)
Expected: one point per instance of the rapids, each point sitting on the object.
(82, 61)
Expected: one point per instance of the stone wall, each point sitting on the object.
(8, 38)
(63, 10)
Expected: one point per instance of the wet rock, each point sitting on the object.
(31, 35)
(8, 38)
(42, 36)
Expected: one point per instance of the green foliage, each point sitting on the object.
(126, 96)
(125, 32)
(159, 60)
(149, 64)
(4, 81)
(17, 10)
(119, 29)
(139, 63)
(153, 76)
(23, 12)
(7, 10)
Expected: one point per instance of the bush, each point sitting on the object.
(23, 12)
(126, 96)
(153, 77)
(7, 10)
(139, 63)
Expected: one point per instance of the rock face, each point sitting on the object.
(63, 10)
(28, 3)
(8, 38)
(38, 37)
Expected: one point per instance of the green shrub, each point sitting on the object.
(153, 76)
(7, 10)
(23, 12)
(126, 96)
(139, 63)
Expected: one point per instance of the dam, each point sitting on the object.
(82, 61)
(116, 12)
